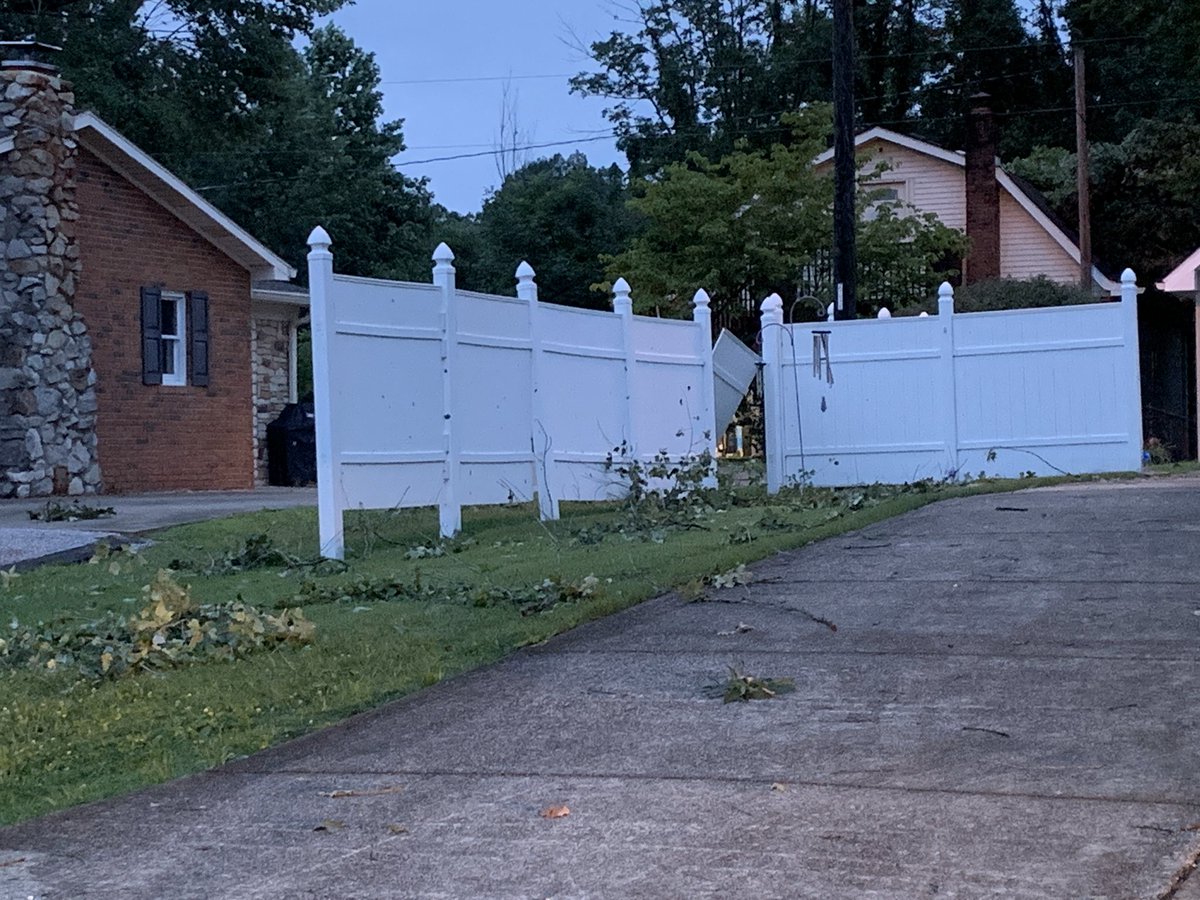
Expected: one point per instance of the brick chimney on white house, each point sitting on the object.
(983, 194)
(47, 384)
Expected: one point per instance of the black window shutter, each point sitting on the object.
(151, 336)
(198, 338)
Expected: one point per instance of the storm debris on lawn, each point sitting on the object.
(171, 630)
(54, 511)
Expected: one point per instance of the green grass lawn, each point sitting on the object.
(65, 741)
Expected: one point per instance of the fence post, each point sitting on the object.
(702, 316)
(1133, 368)
(623, 306)
(449, 509)
(543, 460)
(773, 415)
(949, 404)
(329, 512)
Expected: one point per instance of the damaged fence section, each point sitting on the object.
(1048, 391)
(426, 395)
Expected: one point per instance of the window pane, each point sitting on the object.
(167, 353)
(169, 324)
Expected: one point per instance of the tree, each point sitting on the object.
(756, 222)
(984, 46)
(1143, 61)
(699, 75)
(562, 216)
(279, 139)
(324, 157)
(1145, 190)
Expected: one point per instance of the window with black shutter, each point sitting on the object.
(151, 336)
(175, 337)
(198, 338)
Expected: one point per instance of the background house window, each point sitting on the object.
(885, 192)
(172, 346)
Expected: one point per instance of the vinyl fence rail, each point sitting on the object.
(427, 395)
(1049, 391)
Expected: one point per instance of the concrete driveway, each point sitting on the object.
(26, 543)
(1008, 708)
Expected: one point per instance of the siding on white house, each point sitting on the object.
(935, 185)
(931, 185)
(1027, 249)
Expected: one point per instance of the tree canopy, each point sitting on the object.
(279, 138)
(756, 222)
(562, 216)
(698, 76)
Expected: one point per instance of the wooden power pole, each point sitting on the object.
(1083, 180)
(845, 257)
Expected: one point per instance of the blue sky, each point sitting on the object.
(444, 68)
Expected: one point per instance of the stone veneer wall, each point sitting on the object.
(271, 350)
(47, 384)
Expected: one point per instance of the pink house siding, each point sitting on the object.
(934, 180)
(931, 184)
(1027, 249)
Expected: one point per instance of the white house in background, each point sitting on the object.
(1030, 240)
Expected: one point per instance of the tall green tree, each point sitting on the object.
(562, 216)
(280, 139)
(1143, 61)
(1143, 82)
(987, 46)
(323, 156)
(696, 76)
(757, 222)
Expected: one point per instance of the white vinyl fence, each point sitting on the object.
(1049, 391)
(426, 395)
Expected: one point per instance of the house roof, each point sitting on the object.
(1182, 279)
(273, 290)
(168, 190)
(1026, 196)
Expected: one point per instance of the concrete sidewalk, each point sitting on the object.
(26, 543)
(1007, 709)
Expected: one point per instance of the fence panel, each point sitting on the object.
(582, 386)
(1000, 393)
(428, 395)
(669, 376)
(376, 331)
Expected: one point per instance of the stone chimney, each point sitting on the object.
(47, 385)
(983, 193)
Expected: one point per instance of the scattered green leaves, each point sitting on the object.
(740, 687)
(259, 551)
(171, 630)
(55, 511)
(536, 598)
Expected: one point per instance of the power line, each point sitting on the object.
(764, 129)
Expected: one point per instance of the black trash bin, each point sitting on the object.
(292, 447)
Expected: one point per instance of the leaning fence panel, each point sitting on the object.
(428, 395)
(1001, 393)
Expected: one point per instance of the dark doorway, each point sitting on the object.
(1167, 334)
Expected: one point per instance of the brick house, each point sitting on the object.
(145, 339)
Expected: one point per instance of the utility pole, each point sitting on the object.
(845, 256)
(1083, 154)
